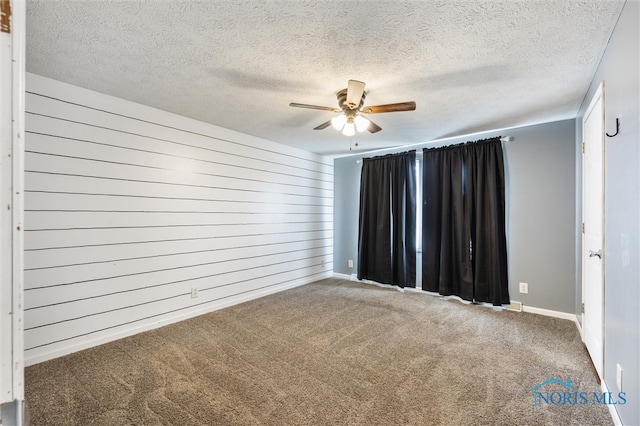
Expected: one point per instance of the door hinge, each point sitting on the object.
(5, 16)
(583, 227)
(583, 147)
(582, 308)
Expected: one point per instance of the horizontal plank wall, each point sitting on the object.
(136, 217)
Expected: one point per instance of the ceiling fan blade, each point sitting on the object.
(373, 127)
(323, 125)
(323, 108)
(355, 89)
(402, 106)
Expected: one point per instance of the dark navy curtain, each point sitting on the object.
(464, 248)
(387, 220)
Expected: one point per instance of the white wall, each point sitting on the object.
(128, 208)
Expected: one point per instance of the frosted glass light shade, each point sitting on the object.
(338, 121)
(361, 123)
(349, 129)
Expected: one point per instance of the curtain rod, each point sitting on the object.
(502, 139)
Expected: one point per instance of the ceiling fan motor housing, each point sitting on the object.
(342, 101)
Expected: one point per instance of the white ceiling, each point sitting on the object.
(469, 65)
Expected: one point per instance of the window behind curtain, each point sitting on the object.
(387, 220)
(463, 233)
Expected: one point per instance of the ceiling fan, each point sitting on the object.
(351, 107)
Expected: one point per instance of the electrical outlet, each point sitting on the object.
(619, 377)
(194, 292)
(524, 288)
(350, 263)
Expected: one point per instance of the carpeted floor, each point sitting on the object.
(330, 353)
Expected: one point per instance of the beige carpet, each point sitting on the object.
(330, 353)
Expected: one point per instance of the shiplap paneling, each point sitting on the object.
(128, 208)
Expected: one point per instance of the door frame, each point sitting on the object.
(12, 96)
(599, 95)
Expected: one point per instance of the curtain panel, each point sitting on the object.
(464, 249)
(387, 220)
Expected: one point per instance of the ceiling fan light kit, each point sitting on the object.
(348, 123)
(361, 123)
(351, 108)
(349, 129)
(339, 121)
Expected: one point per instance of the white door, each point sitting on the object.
(593, 231)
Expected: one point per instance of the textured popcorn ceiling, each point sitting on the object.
(469, 65)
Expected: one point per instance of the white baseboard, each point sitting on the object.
(617, 421)
(519, 307)
(352, 277)
(342, 276)
(549, 313)
(579, 327)
(130, 331)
